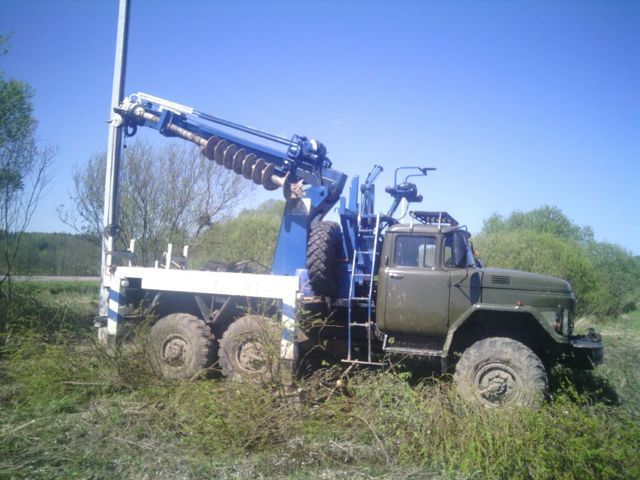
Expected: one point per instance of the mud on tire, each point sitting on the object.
(500, 371)
(250, 350)
(180, 346)
(324, 250)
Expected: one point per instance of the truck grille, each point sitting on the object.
(500, 279)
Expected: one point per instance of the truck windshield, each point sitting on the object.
(457, 253)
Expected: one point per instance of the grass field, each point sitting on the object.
(70, 409)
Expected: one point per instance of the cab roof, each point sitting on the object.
(427, 222)
(420, 228)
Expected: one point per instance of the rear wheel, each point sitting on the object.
(324, 250)
(181, 345)
(250, 350)
(500, 371)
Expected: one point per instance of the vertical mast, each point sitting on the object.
(114, 152)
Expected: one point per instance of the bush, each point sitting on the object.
(547, 254)
(50, 311)
(249, 236)
(605, 278)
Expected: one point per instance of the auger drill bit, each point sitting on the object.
(232, 157)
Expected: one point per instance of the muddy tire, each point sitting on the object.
(250, 350)
(500, 372)
(324, 251)
(180, 345)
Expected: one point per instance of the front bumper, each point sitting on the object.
(584, 351)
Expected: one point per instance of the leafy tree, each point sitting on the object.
(166, 195)
(543, 220)
(619, 275)
(605, 277)
(250, 236)
(24, 166)
(546, 253)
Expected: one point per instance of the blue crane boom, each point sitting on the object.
(298, 165)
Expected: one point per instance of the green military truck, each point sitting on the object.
(380, 288)
(498, 331)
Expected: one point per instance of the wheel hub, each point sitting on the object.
(251, 356)
(497, 384)
(175, 351)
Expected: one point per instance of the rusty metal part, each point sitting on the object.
(228, 155)
(247, 166)
(291, 190)
(210, 146)
(232, 157)
(140, 112)
(267, 178)
(218, 152)
(238, 158)
(256, 172)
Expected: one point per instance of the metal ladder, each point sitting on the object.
(355, 275)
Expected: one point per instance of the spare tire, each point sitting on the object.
(324, 251)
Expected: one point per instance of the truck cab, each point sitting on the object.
(436, 299)
(420, 264)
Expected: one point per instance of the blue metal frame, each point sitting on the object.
(297, 159)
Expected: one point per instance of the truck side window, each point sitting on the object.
(415, 251)
(448, 251)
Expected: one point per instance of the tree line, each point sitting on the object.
(55, 254)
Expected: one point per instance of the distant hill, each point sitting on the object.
(60, 254)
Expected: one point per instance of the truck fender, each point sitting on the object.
(514, 309)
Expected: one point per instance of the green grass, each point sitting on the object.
(65, 290)
(70, 409)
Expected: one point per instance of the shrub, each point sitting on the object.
(547, 254)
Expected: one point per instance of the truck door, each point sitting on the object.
(417, 291)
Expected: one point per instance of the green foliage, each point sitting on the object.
(427, 425)
(60, 254)
(542, 220)
(605, 278)
(47, 310)
(24, 167)
(382, 427)
(619, 276)
(249, 236)
(543, 253)
(70, 409)
(17, 125)
(166, 195)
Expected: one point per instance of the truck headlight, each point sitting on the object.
(564, 321)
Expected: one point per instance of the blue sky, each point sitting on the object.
(517, 104)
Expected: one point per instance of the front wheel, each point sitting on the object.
(500, 371)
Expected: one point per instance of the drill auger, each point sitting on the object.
(298, 165)
(304, 161)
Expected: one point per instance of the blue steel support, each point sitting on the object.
(300, 166)
(291, 247)
(290, 251)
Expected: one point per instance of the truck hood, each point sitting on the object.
(518, 280)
